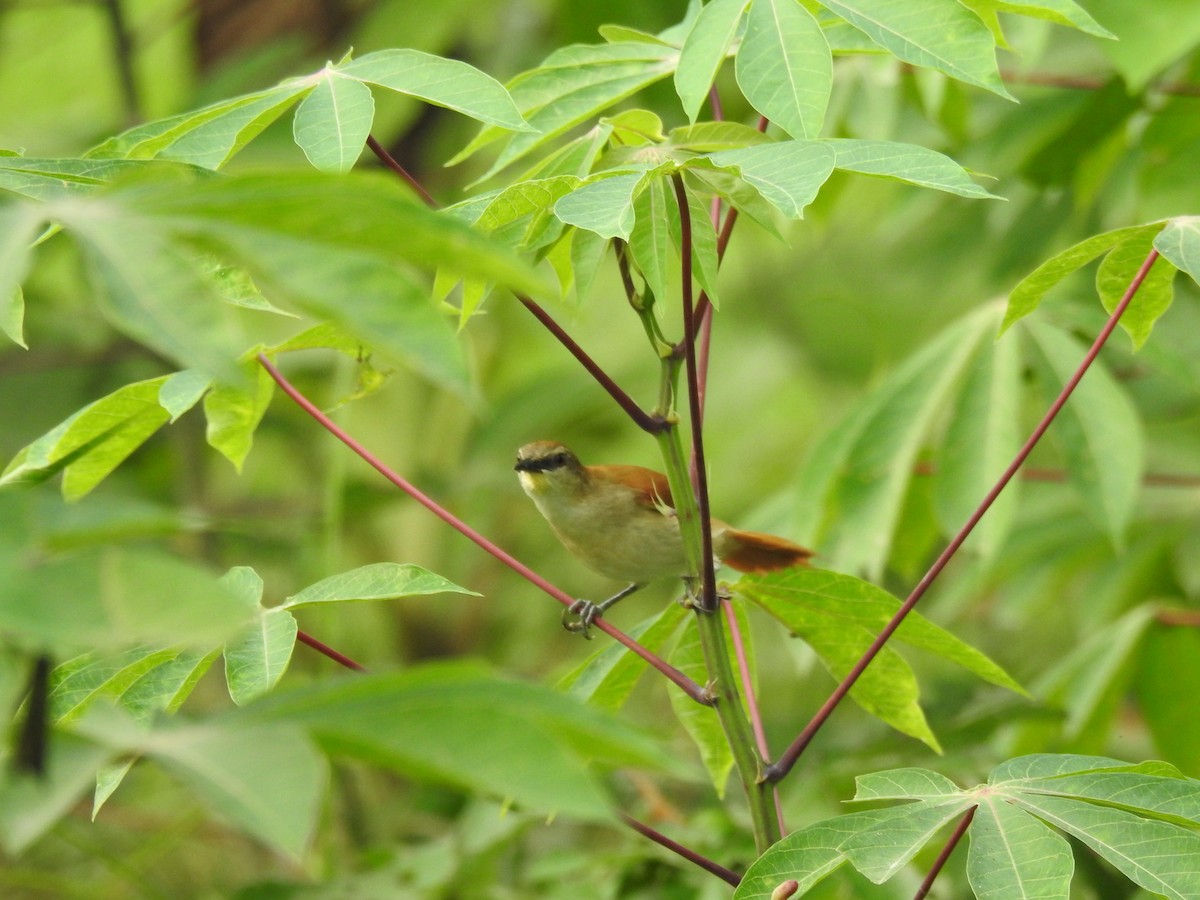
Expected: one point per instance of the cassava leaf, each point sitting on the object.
(784, 67)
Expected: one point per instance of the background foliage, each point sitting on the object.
(1082, 587)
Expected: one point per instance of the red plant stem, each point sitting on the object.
(388, 160)
(1179, 618)
(320, 647)
(727, 875)
(688, 686)
(1150, 479)
(779, 769)
(641, 418)
(760, 735)
(940, 862)
(708, 596)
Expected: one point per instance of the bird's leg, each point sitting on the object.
(587, 612)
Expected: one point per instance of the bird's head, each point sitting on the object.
(549, 467)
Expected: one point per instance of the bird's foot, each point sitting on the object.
(579, 616)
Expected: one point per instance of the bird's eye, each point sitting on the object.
(559, 459)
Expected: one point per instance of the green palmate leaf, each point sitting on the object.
(91, 443)
(650, 242)
(888, 688)
(152, 289)
(863, 469)
(812, 594)
(325, 336)
(1160, 857)
(904, 784)
(981, 439)
(1157, 791)
(427, 722)
(572, 85)
(604, 206)
(1028, 294)
(937, 34)
(788, 173)
(1114, 808)
(256, 659)
(839, 616)
(530, 202)
(577, 157)
(364, 296)
(233, 413)
(635, 128)
(144, 681)
(444, 82)
(1179, 242)
(709, 137)
(906, 162)
(701, 722)
(265, 778)
(377, 581)
(1061, 12)
(704, 50)
(1014, 854)
(206, 137)
(616, 34)
(1099, 430)
(706, 260)
(47, 179)
(332, 122)
(235, 287)
(361, 213)
(737, 192)
(1154, 295)
(115, 599)
(607, 677)
(784, 66)
(880, 841)
(587, 253)
(183, 390)
(79, 682)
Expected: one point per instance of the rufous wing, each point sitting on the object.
(752, 551)
(653, 488)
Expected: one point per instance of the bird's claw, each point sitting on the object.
(579, 616)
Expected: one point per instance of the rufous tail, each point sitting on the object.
(752, 551)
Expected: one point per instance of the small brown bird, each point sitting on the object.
(620, 522)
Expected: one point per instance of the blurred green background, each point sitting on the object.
(1105, 134)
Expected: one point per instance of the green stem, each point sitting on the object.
(722, 686)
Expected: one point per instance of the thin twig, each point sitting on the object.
(727, 875)
(1179, 618)
(641, 418)
(388, 160)
(689, 687)
(1084, 83)
(779, 769)
(940, 862)
(1150, 479)
(337, 657)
